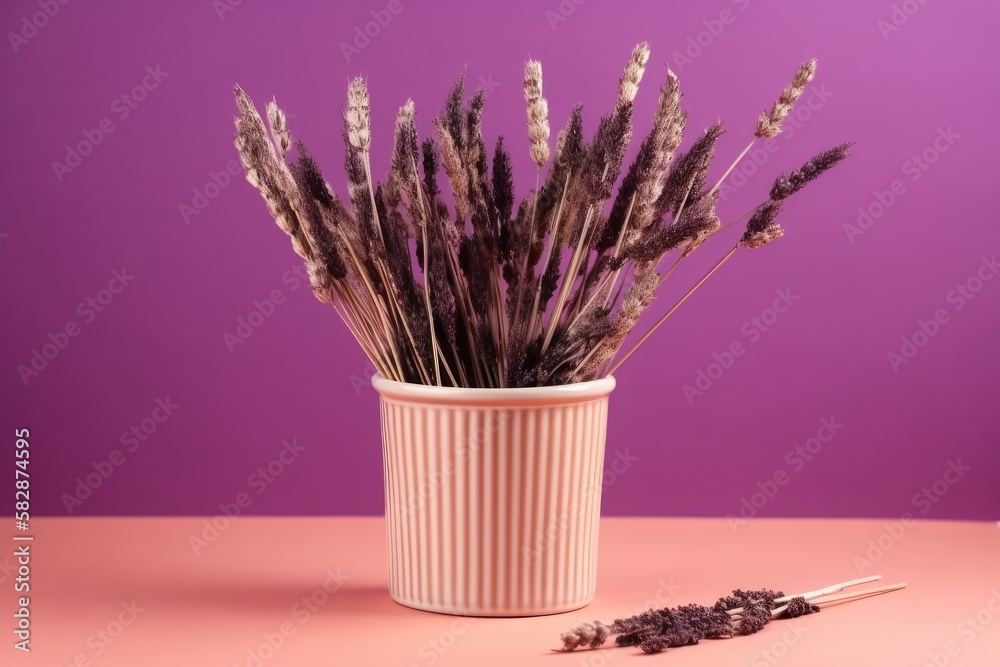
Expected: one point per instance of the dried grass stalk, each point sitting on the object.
(538, 113)
(769, 123)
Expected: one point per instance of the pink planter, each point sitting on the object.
(493, 496)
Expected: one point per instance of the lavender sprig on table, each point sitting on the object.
(488, 293)
(742, 613)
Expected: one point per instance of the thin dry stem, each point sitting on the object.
(673, 309)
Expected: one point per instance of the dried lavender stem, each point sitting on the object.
(857, 595)
(524, 264)
(618, 248)
(618, 295)
(733, 165)
(430, 310)
(497, 321)
(460, 301)
(500, 326)
(369, 326)
(673, 266)
(826, 590)
(842, 597)
(360, 312)
(370, 353)
(820, 597)
(375, 299)
(391, 287)
(390, 342)
(569, 359)
(378, 312)
(465, 308)
(438, 356)
(674, 308)
(365, 158)
(553, 229)
(392, 291)
(435, 350)
(663, 278)
(374, 344)
(567, 282)
(677, 216)
(583, 248)
(386, 329)
(677, 261)
(832, 588)
(577, 299)
(447, 369)
(739, 217)
(597, 290)
(360, 336)
(593, 351)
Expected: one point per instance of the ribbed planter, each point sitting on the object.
(493, 496)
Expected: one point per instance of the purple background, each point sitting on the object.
(298, 376)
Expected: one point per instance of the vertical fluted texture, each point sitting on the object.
(492, 510)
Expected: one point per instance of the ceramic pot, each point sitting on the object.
(493, 496)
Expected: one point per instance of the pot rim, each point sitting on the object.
(564, 394)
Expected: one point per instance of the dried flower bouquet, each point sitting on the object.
(492, 295)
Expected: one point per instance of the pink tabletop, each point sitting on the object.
(312, 591)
